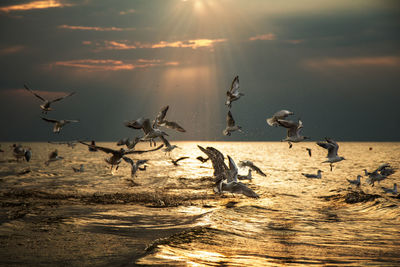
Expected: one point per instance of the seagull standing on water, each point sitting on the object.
(46, 103)
(58, 124)
(390, 190)
(356, 182)
(230, 125)
(318, 175)
(279, 115)
(332, 148)
(233, 93)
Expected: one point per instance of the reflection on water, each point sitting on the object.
(296, 220)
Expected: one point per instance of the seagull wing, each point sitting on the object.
(49, 120)
(147, 126)
(258, 170)
(68, 121)
(174, 125)
(332, 149)
(61, 98)
(143, 151)
(181, 158)
(240, 188)
(165, 141)
(161, 115)
(229, 119)
(104, 149)
(233, 170)
(38, 96)
(281, 114)
(135, 124)
(129, 160)
(234, 90)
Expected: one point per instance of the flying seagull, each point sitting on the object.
(279, 115)
(175, 162)
(293, 130)
(53, 156)
(150, 133)
(245, 177)
(46, 103)
(117, 155)
(248, 163)
(134, 166)
(309, 151)
(230, 125)
(332, 148)
(381, 173)
(161, 121)
(233, 93)
(58, 124)
(318, 175)
(203, 160)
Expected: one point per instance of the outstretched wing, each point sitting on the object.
(229, 119)
(234, 90)
(129, 160)
(38, 96)
(173, 125)
(143, 151)
(233, 170)
(161, 115)
(135, 124)
(181, 158)
(49, 120)
(61, 98)
(104, 149)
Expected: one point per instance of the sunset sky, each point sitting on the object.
(335, 64)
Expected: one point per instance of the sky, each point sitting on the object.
(335, 64)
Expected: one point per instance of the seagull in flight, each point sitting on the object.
(175, 162)
(245, 177)
(230, 125)
(117, 155)
(203, 160)
(150, 133)
(381, 173)
(233, 93)
(332, 148)
(293, 130)
(53, 156)
(135, 166)
(161, 121)
(279, 115)
(58, 124)
(248, 163)
(318, 175)
(46, 103)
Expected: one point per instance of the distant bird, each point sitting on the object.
(293, 130)
(232, 185)
(168, 147)
(248, 163)
(175, 162)
(390, 190)
(203, 160)
(233, 93)
(58, 124)
(381, 173)
(53, 156)
(280, 115)
(20, 152)
(150, 133)
(245, 177)
(117, 155)
(80, 169)
(318, 175)
(92, 146)
(230, 125)
(356, 182)
(134, 166)
(161, 121)
(46, 103)
(309, 151)
(332, 148)
(71, 144)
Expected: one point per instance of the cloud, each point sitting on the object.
(264, 37)
(88, 28)
(111, 65)
(34, 5)
(11, 49)
(324, 63)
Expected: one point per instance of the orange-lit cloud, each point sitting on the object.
(129, 11)
(34, 5)
(111, 65)
(11, 49)
(114, 45)
(88, 28)
(264, 37)
(387, 61)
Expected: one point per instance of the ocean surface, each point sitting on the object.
(296, 220)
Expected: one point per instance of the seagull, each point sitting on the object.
(332, 148)
(53, 156)
(20, 152)
(134, 166)
(58, 124)
(245, 177)
(175, 162)
(80, 169)
(168, 147)
(71, 144)
(248, 163)
(309, 151)
(390, 190)
(92, 146)
(230, 125)
(117, 155)
(381, 173)
(356, 182)
(279, 115)
(233, 93)
(161, 121)
(318, 176)
(203, 160)
(217, 160)
(149, 131)
(293, 130)
(46, 103)
(232, 185)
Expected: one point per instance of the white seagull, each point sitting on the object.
(279, 115)
(248, 163)
(318, 175)
(381, 173)
(58, 124)
(161, 121)
(356, 182)
(53, 156)
(135, 166)
(150, 133)
(233, 93)
(46, 103)
(245, 177)
(332, 148)
(230, 125)
(293, 130)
